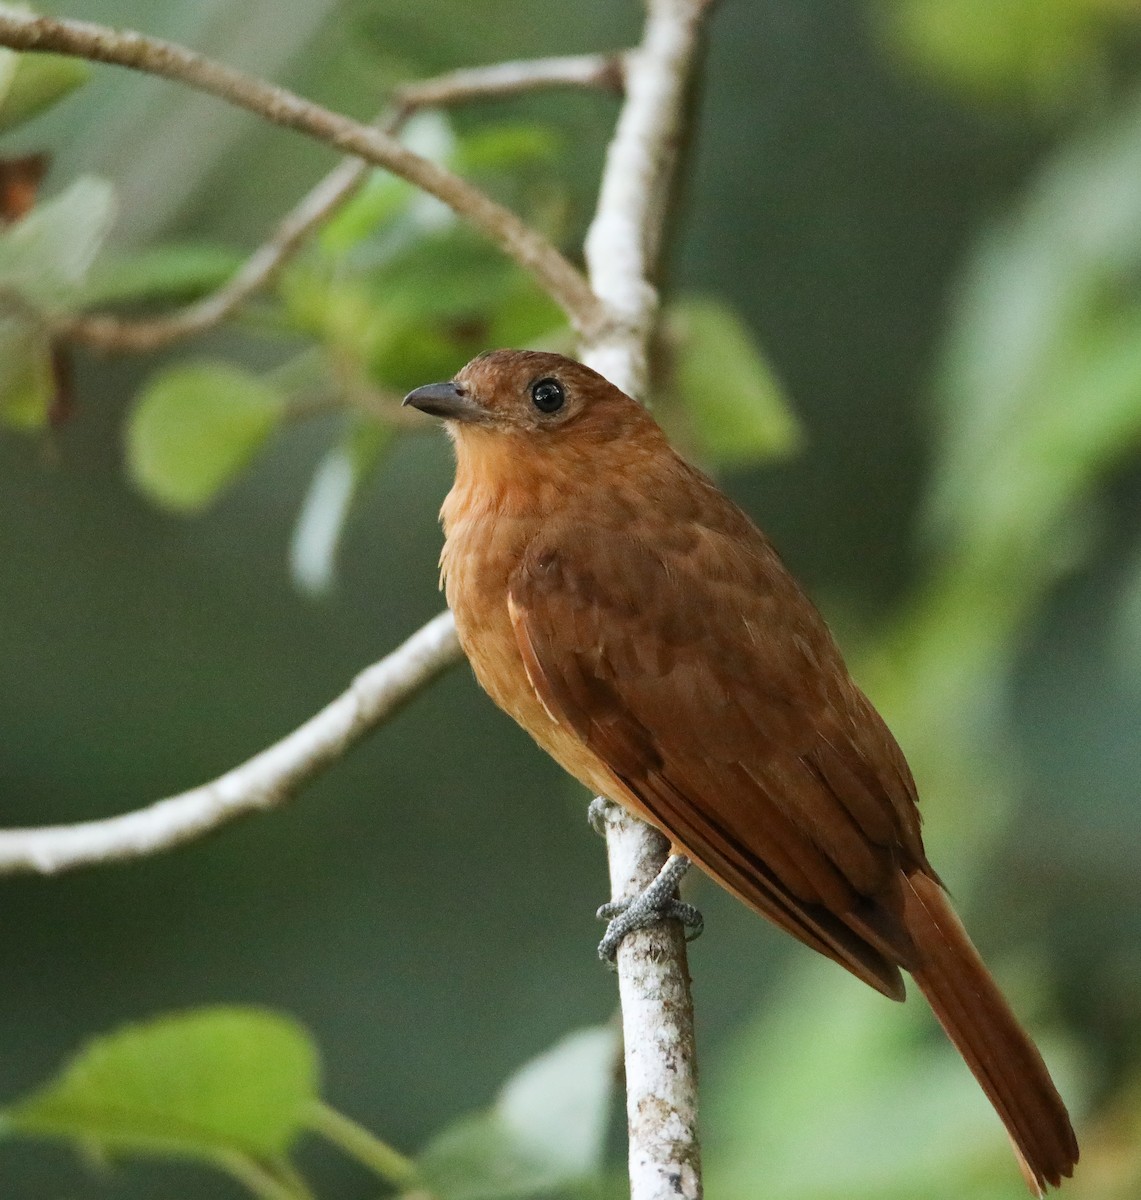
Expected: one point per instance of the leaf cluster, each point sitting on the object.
(392, 292)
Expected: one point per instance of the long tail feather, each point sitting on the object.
(978, 1020)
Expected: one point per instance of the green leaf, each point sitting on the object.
(46, 256)
(1037, 52)
(194, 428)
(321, 521)
(427, 321)
(524, 315)
(449, 274)
(398, 336)
(1041, 380)
(209, 1083)
(380, 200)
(37, 82)
(387, 214)
(27, 378)
(408, 351)
(399, 294)
(9, 62)
(506, 147)
(333, 308)
(391, 207)
(164, 273)
(1086, 417)
(546, 1131)
(732, 404)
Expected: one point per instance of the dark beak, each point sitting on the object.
(447, 400)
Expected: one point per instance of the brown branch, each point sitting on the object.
(112, 334)
(559, 277)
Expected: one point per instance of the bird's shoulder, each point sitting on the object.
(670, 571)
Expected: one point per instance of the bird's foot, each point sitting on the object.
(596, 814)
(658, 902)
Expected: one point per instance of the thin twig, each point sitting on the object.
(266, 780)
(622, 251)
(526, 246)
(499, 80)
(112, 334)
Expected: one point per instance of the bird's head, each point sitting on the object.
(537, 395)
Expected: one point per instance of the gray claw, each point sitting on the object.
(597, 813)
(656, 903)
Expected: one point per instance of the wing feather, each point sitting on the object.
(739, 735)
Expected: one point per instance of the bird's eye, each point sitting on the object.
(547, 395)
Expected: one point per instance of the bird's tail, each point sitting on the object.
(978, 1020)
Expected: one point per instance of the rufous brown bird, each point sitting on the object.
(644, 632)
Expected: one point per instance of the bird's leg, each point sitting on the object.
(658, 902)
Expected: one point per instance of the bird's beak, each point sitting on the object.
(450, 401)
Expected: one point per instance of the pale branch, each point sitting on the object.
(623, 243)
(264, 781)
(657, 1026)
(604, 72)
(112, 334)
(622, 251)
(558, 276)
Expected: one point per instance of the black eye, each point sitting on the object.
(547, 395)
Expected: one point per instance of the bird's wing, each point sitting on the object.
(720, 705)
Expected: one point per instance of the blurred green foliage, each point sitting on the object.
(238, 1087)
(1046, 54)
(44, 260)
(31, 83)
(46, 256)
(213, 1083)
(718, 397)
(818, 1090)
(835, 1077)
(160, 273)
(546, 1131)
(195, 427)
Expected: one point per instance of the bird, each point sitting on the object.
(643, 630)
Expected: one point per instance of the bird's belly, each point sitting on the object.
(494, 655)
(478, 559)
(488, 640)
